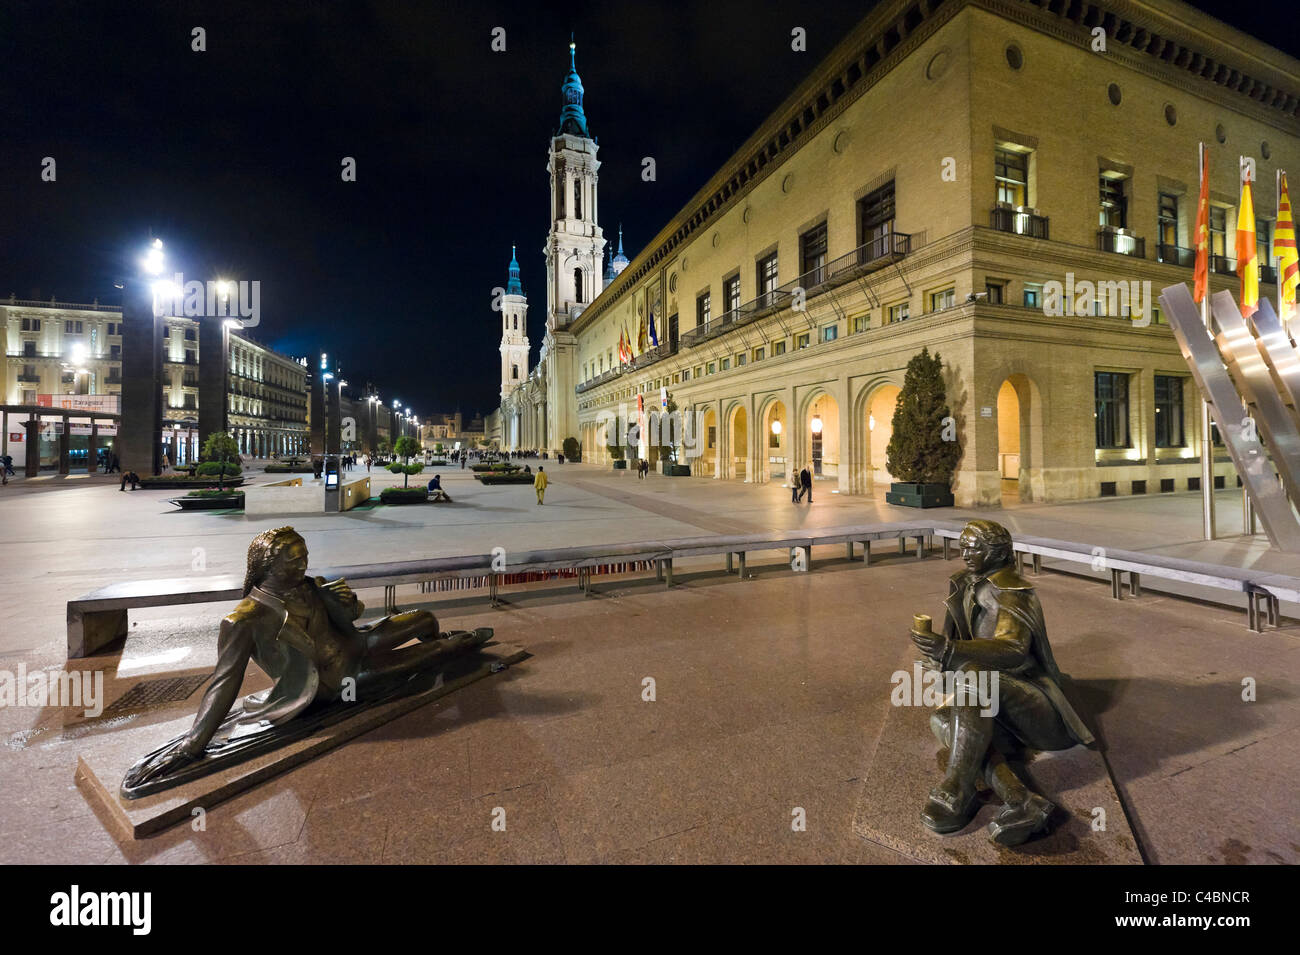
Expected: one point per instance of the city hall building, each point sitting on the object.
(978, 177)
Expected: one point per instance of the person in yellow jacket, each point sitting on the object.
(539, 483)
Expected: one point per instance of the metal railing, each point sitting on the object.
(1121, 243)
(866, 258)
(1019, 223)
(29, 303)
(1175, 255)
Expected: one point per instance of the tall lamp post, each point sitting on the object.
(140, 430)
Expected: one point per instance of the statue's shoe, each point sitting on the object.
(1015, 824)
(944, 813)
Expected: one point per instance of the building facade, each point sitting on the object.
(995, 180)
(58, 349)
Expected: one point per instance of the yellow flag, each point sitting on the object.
(1288, 266)
(1247, 263)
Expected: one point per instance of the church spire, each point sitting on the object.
(572, 119)
(619, 262)
(514, 286)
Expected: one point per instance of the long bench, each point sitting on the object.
(100, 617)
(1263, 589)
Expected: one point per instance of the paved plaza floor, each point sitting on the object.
(769, 692)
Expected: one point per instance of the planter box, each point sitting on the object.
(515, 478)
(226, 502)
(403, 495)
(187, 483)
(620, 465)
(920, 495)
(290, 469)
(681, 470)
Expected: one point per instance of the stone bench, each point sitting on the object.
(1262, 589)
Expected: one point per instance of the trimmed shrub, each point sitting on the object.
(215, 492)
(572, 450)
(213, 468)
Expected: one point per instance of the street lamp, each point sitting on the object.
(816, 424)
(776, 426)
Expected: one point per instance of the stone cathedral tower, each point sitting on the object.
(575, 251)
(514, 331)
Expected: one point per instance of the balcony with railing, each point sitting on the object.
(1121, 243)
(598, 380)
(1019, 222)
(865, 259)
(1175, 255)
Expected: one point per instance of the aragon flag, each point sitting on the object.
(1201, 273)
(1288, 266)
(1247, 263)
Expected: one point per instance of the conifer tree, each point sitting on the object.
(917, 452)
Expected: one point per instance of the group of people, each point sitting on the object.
(801, 486)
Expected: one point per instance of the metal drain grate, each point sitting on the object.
(156, 693)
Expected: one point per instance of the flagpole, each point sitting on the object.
(1207, 444)
(1247, 508)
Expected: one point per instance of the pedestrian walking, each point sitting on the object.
(805, 481)
(796, 490)
(539, 483)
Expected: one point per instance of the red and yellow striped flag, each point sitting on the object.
(1201, 273)
(1288, 265)
(1247, 263)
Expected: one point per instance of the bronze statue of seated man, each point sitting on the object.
(994, 625)
(301, 632)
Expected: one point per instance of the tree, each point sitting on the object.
(383, 449)
(923, 448)
(572, 450)
(222, 449)
(406, 448)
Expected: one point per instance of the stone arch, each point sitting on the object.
(772, 446)
(869, 433)
(1015, 392)
(735, 447)
(819, 433)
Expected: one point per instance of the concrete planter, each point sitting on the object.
(920, 495)
(620, 465)
(223, 502)
(187, 483)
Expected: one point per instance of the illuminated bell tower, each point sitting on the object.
(514, 331)
(575, 250)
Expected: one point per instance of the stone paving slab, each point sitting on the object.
(103, 764)
(905, 766)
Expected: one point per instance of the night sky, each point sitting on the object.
(232, 156)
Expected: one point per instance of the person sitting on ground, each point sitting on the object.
(130, 477)
(436, 493)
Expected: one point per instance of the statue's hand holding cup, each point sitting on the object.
(932, 645)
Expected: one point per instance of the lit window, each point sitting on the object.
(830, 333)
(899, 312)
(941, 300)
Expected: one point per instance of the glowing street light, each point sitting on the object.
(816, 424)
(154, 260)
(776, 426)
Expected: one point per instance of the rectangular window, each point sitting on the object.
(899, 312)
(1218, 230)
(1114, 202)
(67, 328)
(29, 349)
(1112, 409)
(766, 269)
(830, 333)
(801, 341)
(711, 368)
(115, 351)
(941, 300)
(686, 374)
(778, 348)
(1033, 296)
(1011, 176)
(726, 364)
(731, 293)
(703, 309)
(861, 322)
(699, 370)
(994, 291)
(741, 359)
(1167, 219)
(876, 222)
(29, 371)
(812, 256)
(760, 353)
(1169, 412)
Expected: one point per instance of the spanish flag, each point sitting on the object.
(641, 336)
(1288, 267)
(1201, 273)
(1247, 263)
